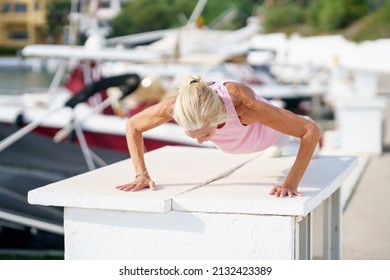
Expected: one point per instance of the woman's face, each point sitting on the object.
(203, 134)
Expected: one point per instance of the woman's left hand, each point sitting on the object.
(284, 190)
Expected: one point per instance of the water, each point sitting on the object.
(16, 243)
(15, 81)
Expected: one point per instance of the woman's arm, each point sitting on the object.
(250, 110)
(147, 119)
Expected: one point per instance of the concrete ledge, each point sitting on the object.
(201, 180)
(175, 169)
(208, 205)
(246, 190)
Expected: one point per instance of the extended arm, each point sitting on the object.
(147, 119)
(250, 110)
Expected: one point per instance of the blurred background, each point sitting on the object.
(327, 59)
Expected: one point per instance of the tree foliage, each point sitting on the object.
(280, 15)
(376, 25)
(147, 15)
(319, 16)
(330, 15)
(57, 17)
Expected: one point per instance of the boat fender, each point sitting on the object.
(128, 83)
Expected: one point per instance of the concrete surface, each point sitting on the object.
(214, 209)
(366, 221)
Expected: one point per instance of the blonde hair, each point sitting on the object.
(197, 105)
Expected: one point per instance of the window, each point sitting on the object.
(20, 8)
(19, 35)
(5, 8)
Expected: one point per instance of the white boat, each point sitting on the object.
(46, 112)
(92, 124)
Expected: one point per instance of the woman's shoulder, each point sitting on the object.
(170, 99)
(239, 92)
(165, 106)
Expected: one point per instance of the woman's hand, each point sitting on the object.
(284, 190)
(138, 184)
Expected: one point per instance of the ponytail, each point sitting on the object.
(197, 105)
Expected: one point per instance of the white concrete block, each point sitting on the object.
(118, 235)
(366, 84)
(360, 123)
(208, 205)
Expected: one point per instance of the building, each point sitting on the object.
(22, 22)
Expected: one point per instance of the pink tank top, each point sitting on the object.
(236, 138)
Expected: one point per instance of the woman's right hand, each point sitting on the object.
(138, 184)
